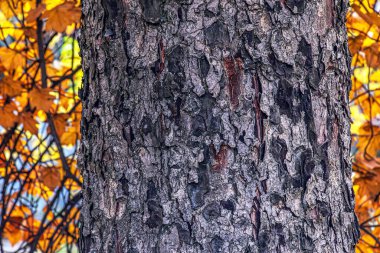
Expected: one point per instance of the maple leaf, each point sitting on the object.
(61, 16)
(41, 99)
(8, 116)
(12, 230)
(50, 176)
(371, 18)
(29, 123)
(372, 55)
(6, 29)
(60, 123)
(10, 87)
(8, 8)
(33, 14)
(69, 137)
(11, 58)
(355, 43)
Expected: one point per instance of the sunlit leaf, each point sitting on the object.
(61, 16)
(41, 99)
(10, 87)
(50, 176)
(33, 14)
(11, 58)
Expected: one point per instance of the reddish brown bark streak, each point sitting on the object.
(233, 69)
(220, 158)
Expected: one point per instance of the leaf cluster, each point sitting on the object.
(40, 76)
(363, 26)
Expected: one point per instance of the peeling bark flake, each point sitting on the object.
(233, 69)
(160, 63)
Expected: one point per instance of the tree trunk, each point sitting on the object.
(216, 126)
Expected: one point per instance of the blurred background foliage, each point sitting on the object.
(40, 78)
(363, 27)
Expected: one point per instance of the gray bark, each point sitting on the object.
(216, 126)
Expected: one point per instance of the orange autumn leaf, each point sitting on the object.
(30, 32)
(69, 137)
(355, 43)
(33, 224)
(33, 14)
(8, 116)
(61, 16)
(11, 58)
(372, 55)
(29, 123)
(60, 123)
(9, 8)
(41, 99)
(371, 18)
(10, 87)
(12, 230)
(49, 176)
(19, 211)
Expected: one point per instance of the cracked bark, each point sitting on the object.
(216, 126)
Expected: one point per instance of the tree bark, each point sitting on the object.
(216, 126)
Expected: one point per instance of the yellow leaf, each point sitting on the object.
(70, 29)
(22, 100)
(61, 16)
(358, 119)
(6, 28)
(51, 4)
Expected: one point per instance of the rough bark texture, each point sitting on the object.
(216, 126)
